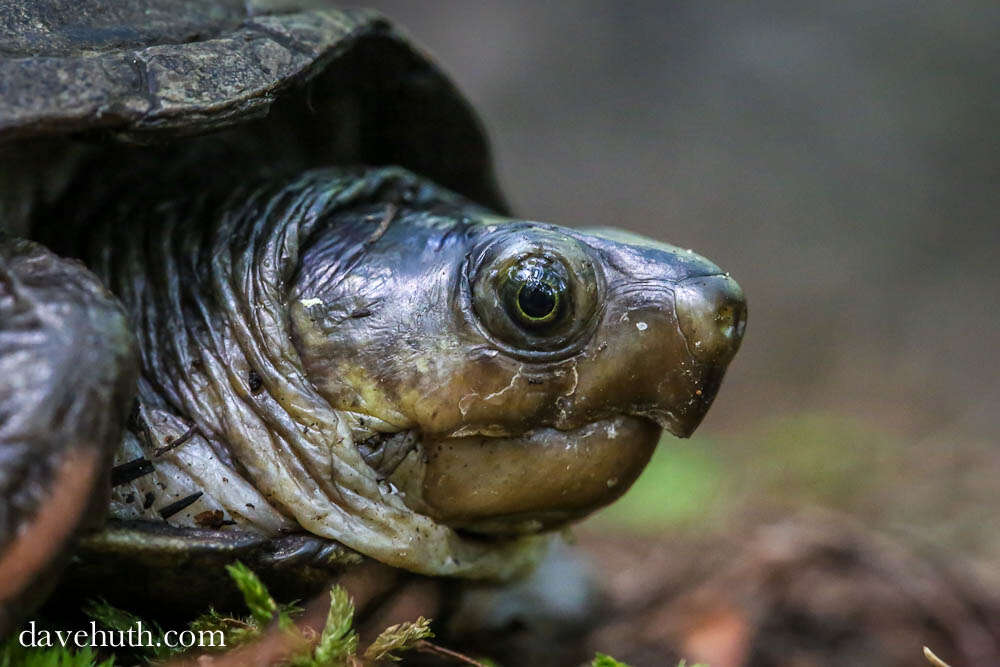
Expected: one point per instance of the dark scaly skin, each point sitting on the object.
(290, 319)
(67, 377)
(270, 400)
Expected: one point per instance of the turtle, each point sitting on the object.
(261, 297)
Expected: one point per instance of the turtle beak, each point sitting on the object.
(673, 322)
(711, 314)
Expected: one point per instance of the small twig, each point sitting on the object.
(178, 505)
(176, 442)
(236, 621)
(428, 647)
(390, 213)
(933, 659)
(123, 473)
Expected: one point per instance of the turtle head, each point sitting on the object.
(516, 375)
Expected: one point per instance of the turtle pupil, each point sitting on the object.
(537, 299)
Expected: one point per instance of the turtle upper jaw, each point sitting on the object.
(702, 383)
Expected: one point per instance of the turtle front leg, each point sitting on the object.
(68, 370)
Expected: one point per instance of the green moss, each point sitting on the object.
(336, 645)
(12, 654)
(602, 660)
(398, 638)
(338, 640)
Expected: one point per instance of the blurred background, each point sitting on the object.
(842, 160)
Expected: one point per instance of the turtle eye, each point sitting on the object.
(534, 292)
(535, 295)
(538, 301)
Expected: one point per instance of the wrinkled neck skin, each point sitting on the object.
(368, 357)
(207, 286)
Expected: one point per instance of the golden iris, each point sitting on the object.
(535, 293)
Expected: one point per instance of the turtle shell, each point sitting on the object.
(340, 86)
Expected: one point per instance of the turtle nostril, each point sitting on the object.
(712, 314)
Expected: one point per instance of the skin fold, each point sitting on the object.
(371, 358)
(330, 361)
(67, 372)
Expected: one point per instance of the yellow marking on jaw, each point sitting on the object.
(372, 397)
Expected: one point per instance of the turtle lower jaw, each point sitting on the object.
(535, 481)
